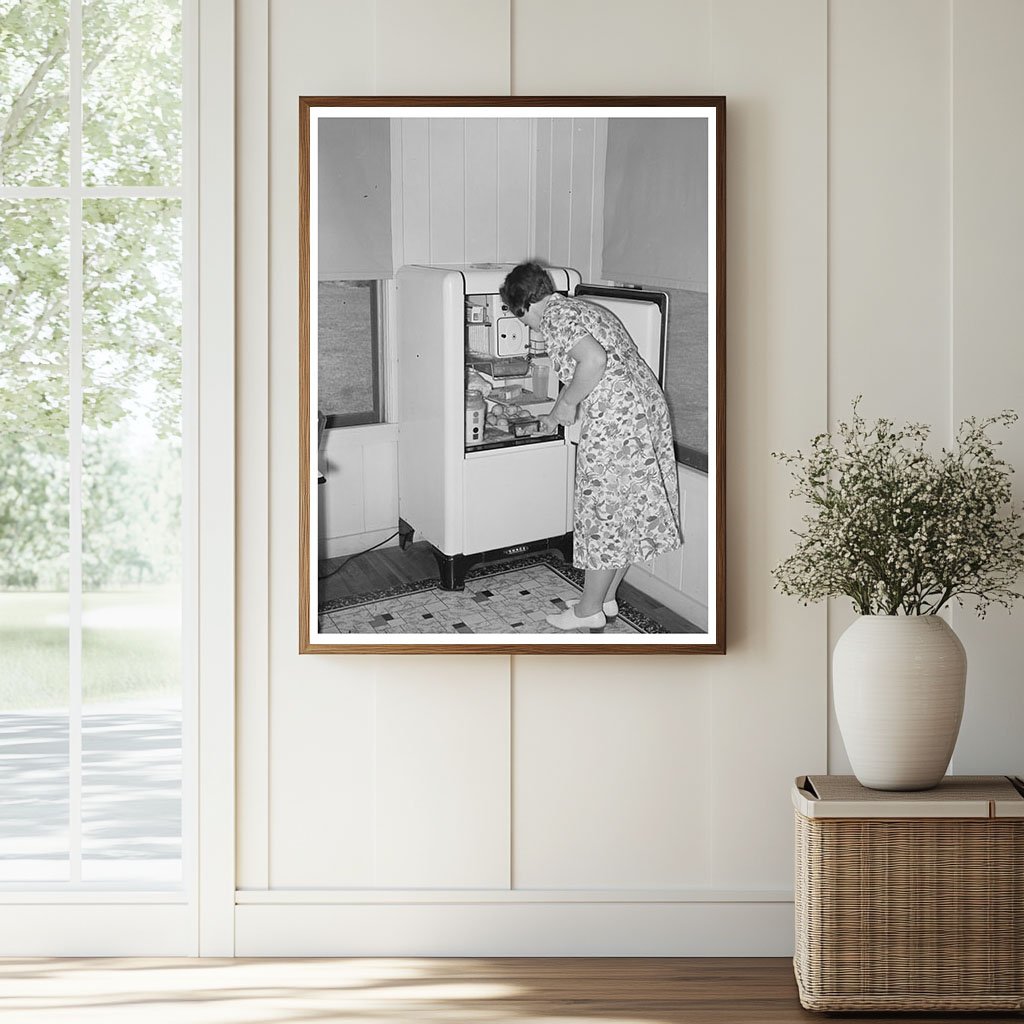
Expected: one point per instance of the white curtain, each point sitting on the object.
(354, 199)
(656, 202)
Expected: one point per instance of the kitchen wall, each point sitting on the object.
(627, 805)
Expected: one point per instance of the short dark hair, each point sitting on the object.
(524, 286)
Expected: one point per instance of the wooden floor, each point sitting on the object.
(413, 990)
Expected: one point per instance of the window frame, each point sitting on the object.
(75, 193)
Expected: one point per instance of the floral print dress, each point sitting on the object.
(627, 493)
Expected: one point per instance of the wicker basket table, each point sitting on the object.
(910, 901)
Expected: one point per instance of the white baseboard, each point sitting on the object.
(515, 929)
(99, 928)
(676, 601)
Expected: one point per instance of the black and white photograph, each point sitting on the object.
(512, 375)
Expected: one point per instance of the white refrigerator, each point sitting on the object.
(480, 494)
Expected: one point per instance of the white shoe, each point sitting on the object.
(570, 620)
(610, 608)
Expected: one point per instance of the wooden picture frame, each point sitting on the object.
(449, 193)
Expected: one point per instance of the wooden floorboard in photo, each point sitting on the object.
(417, 990)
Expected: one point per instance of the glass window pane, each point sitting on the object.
(131, 541)
(131, 92)
(348, 360)
(33, 92)
(34, 494)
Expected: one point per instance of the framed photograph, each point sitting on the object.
(512, 375)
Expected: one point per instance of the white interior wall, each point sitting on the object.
(624, 805)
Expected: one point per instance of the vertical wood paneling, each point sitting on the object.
(447, 190)
(416, 190)
(542, 191)
(693, 496)
(561, 190)
(380, 485)
(442, 771)
(341, 502)
(322, 798)
(581, 198)
(769, 692)
(669, 566)
(481, 176)
(441, 48)
(611, 775)
(579, 47)
(987, 362)
(515, 158)
(889, 209)
(317, 706)
(888, 224)
(600, 152)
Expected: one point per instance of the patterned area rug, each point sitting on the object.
(512, 597)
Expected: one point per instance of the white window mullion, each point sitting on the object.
(75, 299)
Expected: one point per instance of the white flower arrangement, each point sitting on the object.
(899, 530)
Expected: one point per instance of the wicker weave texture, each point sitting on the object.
(912, 914)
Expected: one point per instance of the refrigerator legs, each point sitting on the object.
(453, 569)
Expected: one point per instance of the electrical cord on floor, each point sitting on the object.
(338, 568)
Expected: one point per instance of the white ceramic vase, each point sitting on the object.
(898, 684)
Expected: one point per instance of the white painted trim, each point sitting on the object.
(216, 478)
(368, 433)
(76, 289)
(97, 897)
(538, 929)
(360, 897)
(94, 191)
(190, 468)
(72, 930)
(253, 382)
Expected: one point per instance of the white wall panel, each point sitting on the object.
(542, 189)
(415, 224)
(447, 190)
(561, 192)
(441, 48)
(693, 497)
(380, 485)
(581, 193)
(578, 47)
(323, 767)
(612, 785)
(481, 163)
(769, 692)
(514, 174)
(889, 212)
(987, 366)
(341, 497)
(442, 773)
